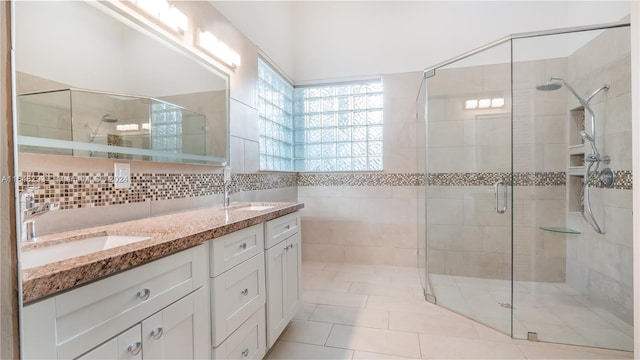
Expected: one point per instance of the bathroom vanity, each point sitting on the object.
(211, 283)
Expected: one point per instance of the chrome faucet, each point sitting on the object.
(226, 193)
(226, 183)
(30, 212)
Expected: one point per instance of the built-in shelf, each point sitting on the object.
(576, 170)
(576, 167)
(576, 149)
(560, 230)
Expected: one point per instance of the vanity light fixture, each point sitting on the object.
(146, 126)
(167, 14)
(218, 49)
(471, 104)
(484, 103)
(497, 102)
(128, 127)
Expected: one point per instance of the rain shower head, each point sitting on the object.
(110, 119)
(549, 86)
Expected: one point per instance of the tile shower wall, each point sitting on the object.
(161, 187)
(600, 265)
(369, 218)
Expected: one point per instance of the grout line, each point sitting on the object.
(329, 334)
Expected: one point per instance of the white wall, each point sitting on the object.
(635, 127)
(268, 24)
(334, 39)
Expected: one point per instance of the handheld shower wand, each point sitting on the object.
(594, 158)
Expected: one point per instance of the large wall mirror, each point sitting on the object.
(92, 83)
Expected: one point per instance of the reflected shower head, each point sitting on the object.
(110, 119)
(549, 86)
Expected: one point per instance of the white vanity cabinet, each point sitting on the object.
(284, 271)
(127, 345)
(157, 310)
(238, 295)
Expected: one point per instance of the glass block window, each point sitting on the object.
(275, 112)
(166, 128)
(338, 127)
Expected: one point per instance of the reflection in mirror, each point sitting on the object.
(149, 99)
(151, 129)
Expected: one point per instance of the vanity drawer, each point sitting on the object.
(92, 313)
(235, 296)
(248, 342)
(230, 250)
(281, 228)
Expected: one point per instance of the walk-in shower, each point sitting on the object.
(594, 157)
(503, 239)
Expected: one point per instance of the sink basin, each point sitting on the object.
(257, 207)
(46, 255)
(249, 207)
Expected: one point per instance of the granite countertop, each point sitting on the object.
(168, 234)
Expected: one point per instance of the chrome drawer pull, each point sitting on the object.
(245, 292)
(143, 294)
(157, 333)
(287, 227)
(243, 246)
(134, 349)
(245, 352)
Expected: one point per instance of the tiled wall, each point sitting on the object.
(370, 218)
(600, 265)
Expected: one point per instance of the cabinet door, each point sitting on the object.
(127, 345)
(276, 292)
(169, 334)
(293, 275)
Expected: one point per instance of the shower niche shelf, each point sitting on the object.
(576, 169)
(560, 230)
(576, 125)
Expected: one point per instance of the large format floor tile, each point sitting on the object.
(359, 312)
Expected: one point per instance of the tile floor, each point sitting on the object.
(378, 312)
(556, 312)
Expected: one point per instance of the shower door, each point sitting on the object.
(528, 186)
(468, 187)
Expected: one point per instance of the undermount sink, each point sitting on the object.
(249, 207)
(257, 207)
(50, 254)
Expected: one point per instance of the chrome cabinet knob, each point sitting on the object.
(156, 333)
(245, 292)
(134, 349)
(245, 352)
(287, 227)
(243, 246)
(143, 294)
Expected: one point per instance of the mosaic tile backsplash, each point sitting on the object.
(80, 190)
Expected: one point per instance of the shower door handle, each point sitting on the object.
(496, 186)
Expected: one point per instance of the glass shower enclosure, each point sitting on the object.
(526, 220)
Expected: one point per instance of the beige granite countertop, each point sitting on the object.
(168, 234)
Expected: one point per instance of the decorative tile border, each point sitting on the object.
(623, 181)
(489, 179)
(360, 179)
(81, 190)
